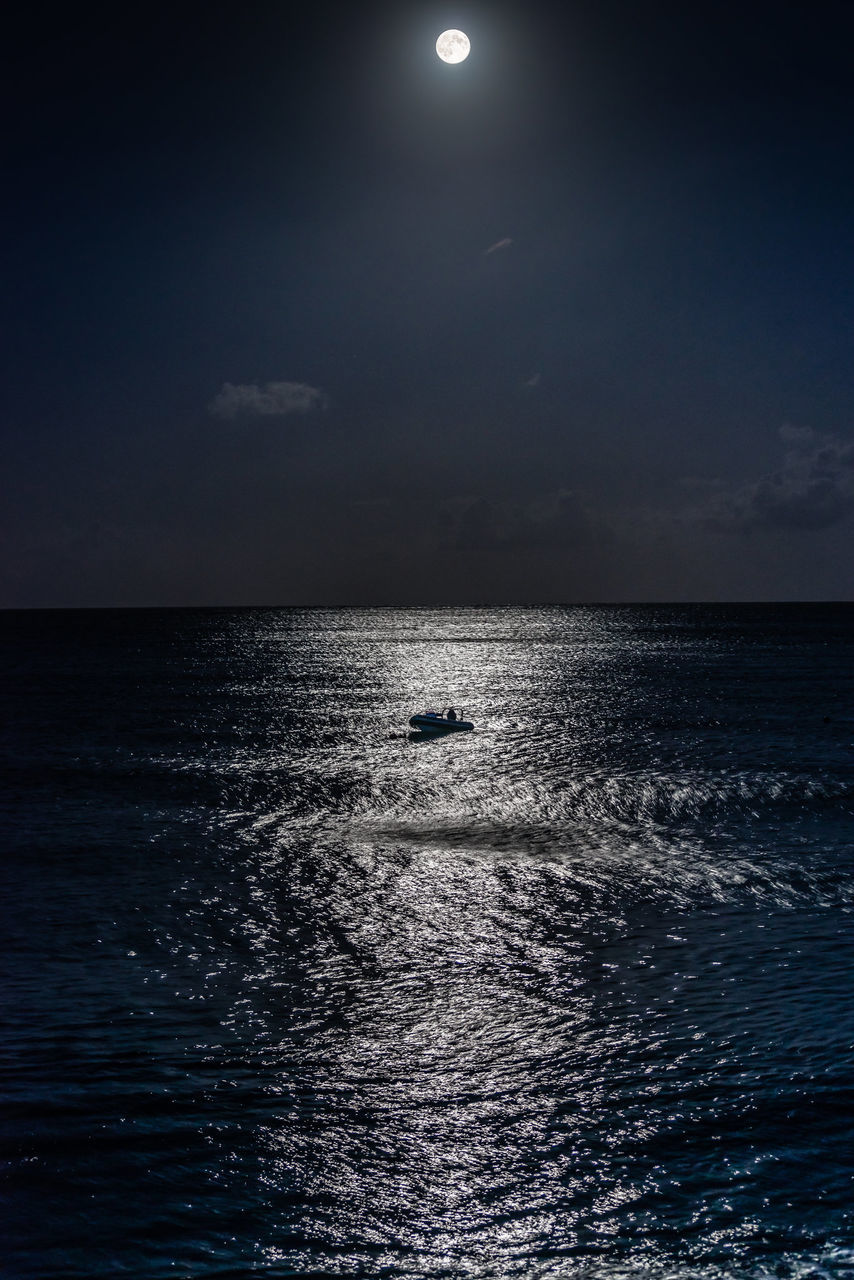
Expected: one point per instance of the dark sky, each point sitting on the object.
(295, 313)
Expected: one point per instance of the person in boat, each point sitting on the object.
(452, 715)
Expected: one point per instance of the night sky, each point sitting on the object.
(294, 313)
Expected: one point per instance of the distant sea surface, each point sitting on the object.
(287, 991)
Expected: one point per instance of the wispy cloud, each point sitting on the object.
(558, 519)
(505, 243)
(813, 488)
(274, 399)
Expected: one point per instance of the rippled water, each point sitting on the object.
(289, 991)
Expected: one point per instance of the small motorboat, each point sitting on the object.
(438, 722)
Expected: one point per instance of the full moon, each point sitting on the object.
(453, 46)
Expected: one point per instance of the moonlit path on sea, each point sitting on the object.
(287, 990)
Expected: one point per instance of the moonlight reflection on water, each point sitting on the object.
(550, 993)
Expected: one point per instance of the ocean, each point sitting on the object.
(287, 990)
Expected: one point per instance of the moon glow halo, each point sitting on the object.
(453, 46)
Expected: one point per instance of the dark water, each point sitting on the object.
(287, 992)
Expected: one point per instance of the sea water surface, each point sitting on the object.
(289, 991)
